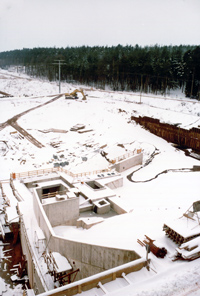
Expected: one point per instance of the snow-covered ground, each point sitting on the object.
(107, 115)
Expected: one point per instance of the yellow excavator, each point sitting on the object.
(73, 95)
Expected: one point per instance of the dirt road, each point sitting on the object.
(13, 122)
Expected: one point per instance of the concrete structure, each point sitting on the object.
(87, 223)
(62, 212)
(56, 202)
(97, 281)
(123, 164)
(93, 190)
(60, 203)
(101, 207)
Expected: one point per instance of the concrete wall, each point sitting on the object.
(60, 188)
(128, 163)
(115, 184)
(90, 259)
(116, 206)
(35, 279)
(27, 252)
(93, 281)
(41, 217)
(38, 181)
(62, 212)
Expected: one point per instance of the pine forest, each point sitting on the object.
(151, 69)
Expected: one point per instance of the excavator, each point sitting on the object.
(73, 95)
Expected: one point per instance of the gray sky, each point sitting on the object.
(62, 23)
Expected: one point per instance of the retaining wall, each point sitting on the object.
(126, 164)
(90, 259)
(182, 137)
(116, 206)
(93, 281)
(115, 183)
(35, 276)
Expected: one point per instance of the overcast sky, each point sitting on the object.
(62, 23)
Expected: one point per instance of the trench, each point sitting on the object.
(12, 255)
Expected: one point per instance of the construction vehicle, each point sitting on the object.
(73, 95)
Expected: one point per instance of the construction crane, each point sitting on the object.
(73, 95)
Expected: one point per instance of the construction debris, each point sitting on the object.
(82, 131)
(55, 144)
(77, 127)
(59, 267)
(53, 130)
(158, 252)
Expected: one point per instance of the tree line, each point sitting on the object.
(150, 69)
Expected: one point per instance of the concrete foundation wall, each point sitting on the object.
(90, 259)
(116, 207)
(115, 184)
(41, 217)
(93, 281)
(38, 181)
(128, 163)
(27, 252)
(63, 212)
(35, 279)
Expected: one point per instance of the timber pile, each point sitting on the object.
(82, 131)
(158, 252)
(188, 251)
(77, 127)
(56, 144)
(174, 235)
(53, 130)
(186, 227)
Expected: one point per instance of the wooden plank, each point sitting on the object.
(2, 231)
(5, 94)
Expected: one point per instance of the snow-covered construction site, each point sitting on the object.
(103, 199)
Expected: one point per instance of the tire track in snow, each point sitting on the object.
(13, 122)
